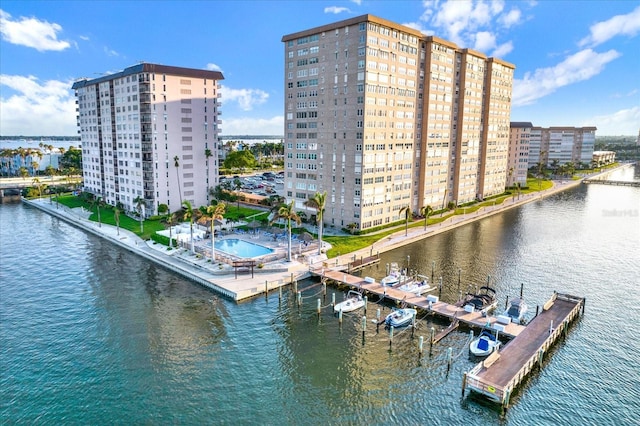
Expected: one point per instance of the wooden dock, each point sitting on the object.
(497, 376)
(472, 319)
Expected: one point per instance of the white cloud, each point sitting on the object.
(31, 32)
(418, 26)
(485, 41)
(246, 98)
(85, 38)
(36, 108)
(110, 52)
(358, 2)
(511, 18)
(503, 50)
(544, 81)
(336, 10)
(476, 23)
(213, 67)
(601, 32)
(253, 126)
(623, 122)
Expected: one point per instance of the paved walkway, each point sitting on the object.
(223, 280)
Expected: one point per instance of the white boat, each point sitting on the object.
(484, 345)
(517, 309)
(353, 301)
(417, 287)
(395, 276)
(400, 317)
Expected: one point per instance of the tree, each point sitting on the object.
(237, 185)
(407, 214)
(50, 171)
(189, 214)
(176, 162)
(426, 211)
(140, 205)
(24, 173)
(240, 160)
(116, 217)
(213, 213)
(286, 212)
(97, 201)
(36, 182)
(318, 202)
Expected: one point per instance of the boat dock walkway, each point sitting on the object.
(447, 310)
(613, 182)
(497, 376)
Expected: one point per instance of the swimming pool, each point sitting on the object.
(241, 248)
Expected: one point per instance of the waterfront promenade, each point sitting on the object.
(273, 275)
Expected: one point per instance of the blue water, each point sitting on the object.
(241, 248)
(91, 334)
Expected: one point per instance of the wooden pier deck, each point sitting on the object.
(498, 375)
(447, 310)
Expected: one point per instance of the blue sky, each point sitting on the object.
(577, 62)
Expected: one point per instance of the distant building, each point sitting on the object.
(382, 117)
(561, 145)
(150, 131)
(601, 158)
(518, 165)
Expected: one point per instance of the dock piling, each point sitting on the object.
(319, 307)
(340, 316)
(333, 299)
(365, 304)
(364, 327)
(390, 336)
(420, 344)
(506, 302)
(449, 358)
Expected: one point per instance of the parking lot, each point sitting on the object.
(261, 184)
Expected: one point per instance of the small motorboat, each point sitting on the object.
(484, 345)
(353, 301)
(517, 309)
(395, 276)
(417, 287)
(484, 301)
(400, 317)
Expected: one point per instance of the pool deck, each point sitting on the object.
(274, 273)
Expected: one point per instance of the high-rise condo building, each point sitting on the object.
(382, 117)
(518, 165)
(150, 131)
(561, 145)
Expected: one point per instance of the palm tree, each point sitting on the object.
(426, 211)
(176, 162)
(318, 202)
(407, 214)
(189, 213)
(50, 171)
(286, 211)
(140, 209)
(38, 185)
(24, 173)
(98, 202)
(213, 213)
(116, 217)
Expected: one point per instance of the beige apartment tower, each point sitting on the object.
(150, 131)
(382, 117)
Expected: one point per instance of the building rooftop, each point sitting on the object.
(156, 68)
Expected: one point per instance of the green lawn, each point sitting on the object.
(107, 216)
